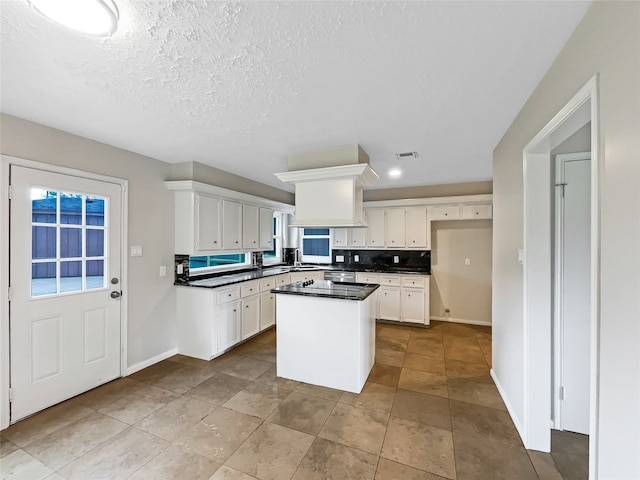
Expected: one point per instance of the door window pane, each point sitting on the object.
(95, 274)
(44, 205)
(70, 209)
(95, 243)
(70, 242)
(43, 242)
(95, 211)
(70, 276)
(43, 278)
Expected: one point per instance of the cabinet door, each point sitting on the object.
(376, 230)
(396, 226)
(413, 305)
(250, 226)
(357, 237)
(301, 276)
(266, 229)
(339, 237)
(267, 310)
(417, 227)
(444, 212)
(231, 225)
(207, 223)
(389, 306)
(476, 211)
(250, 316)
(228, 317)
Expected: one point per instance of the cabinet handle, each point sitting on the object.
(234, 310)
(215, 241)
(393, 241)
(236, 241)
(246, 306)
(254, 241)
(413, 241)
(229, 295)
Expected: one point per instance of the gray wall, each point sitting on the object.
(606, 42)
(151, 298)
(429, 191)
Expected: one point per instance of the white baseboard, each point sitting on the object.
(505, 399)
(462, 320)
(151, 361)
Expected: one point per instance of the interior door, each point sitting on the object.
(574, 291)
(65, 237)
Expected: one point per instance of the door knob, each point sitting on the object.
(115, 294)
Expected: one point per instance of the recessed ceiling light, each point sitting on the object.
(93, 17)
(395, 172)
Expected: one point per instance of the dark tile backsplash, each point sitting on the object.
(390, 260)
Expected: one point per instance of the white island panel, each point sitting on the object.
(325, 341)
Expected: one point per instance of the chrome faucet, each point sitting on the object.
(296, 258)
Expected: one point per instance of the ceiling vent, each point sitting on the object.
(407, 155)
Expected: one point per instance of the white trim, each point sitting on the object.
(505, 399)
(224, 193)
(150, 361)
(409, 202)
(5, 162)
(462, 320)
(536, 333)
(361, 173)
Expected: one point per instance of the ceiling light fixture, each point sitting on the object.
(93, 17)
(395, 172)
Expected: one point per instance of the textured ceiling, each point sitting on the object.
(242, 85)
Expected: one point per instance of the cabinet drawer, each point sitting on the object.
(283, 279)
(476, 211)
(267, 284)
(368, 278)
(444, 212)
(227, 295)
(390, 280)
(418, 282)
(249, 288)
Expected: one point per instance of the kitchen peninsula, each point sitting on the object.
(326, 333)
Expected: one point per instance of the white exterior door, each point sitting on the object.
(573, 291)
(65, 237)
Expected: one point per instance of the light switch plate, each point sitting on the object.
(163, 271)
(356, 258)
(136, 251)
(180, 269)
(340, 258)
(396, 259)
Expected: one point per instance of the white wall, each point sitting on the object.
(606, 42)
(464, 289)
(151, 298)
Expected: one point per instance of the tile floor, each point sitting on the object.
(428, 411)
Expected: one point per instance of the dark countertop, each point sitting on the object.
(329, 289)
(257, 274)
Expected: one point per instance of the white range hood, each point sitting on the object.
(331, 194)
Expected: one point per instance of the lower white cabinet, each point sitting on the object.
(389, 303)
(301, 276)
(227, 322)
(413, 305)
(267, 310)
(250, 316)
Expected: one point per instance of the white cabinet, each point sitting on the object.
(480, 211)
(395, 228)
(402, 298)
(284, 279)
(389, 303)
(376, 230)
(444, 212)
(250, 316)
(227, 323)
(266, 229)
(413, 303)
(197, 223)
(267, 310)
(339, 237)
(357, 237)
(417, 228)
(232, 225)
(207, 223)
(301, 276)
(250, 226)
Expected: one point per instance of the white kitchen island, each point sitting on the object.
(326, 333)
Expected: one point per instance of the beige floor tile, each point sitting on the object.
(424, 382)
(464, 354)
(247, 368)
(401, 333)
(432, 332)
(477, 390)
(177, 463)
(73, 440)
(184, 379)
(356, 427)
(136, 406)
(484, 423)
(219, 434)
(118, 457)
(424, 363)
(7, 447)
(176, 417)
(228, 473)
(422, 408)
(193, 362)
(271, 452)
(431, 347)
(218, 389)
(302, 412)
(460, 369)
(257, 399)
(388, 470)
(318, 391)
(108, 393)
(461, 342)
(43, 423)
(328, 460)
(19, 465)
(373, 396)
(487, 460)
(544, 465)
(420, 446)
(54, 476)
(459, 329)
(570, 452)
(393, 344)
(389, 357)
(384, 375)
(154, 373)
(270, 378)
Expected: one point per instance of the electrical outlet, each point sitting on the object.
(339, 258)
(180, 269)
(163, 270)
(396, 259)
(356, 258)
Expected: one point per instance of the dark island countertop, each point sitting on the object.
(329, 289)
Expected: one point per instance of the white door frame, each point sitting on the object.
(537, 276)
(5, 162)
(558, 275)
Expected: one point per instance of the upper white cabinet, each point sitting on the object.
(197, 223)
(348, 237)
(444, 212)
(376, 232)
(207, 223)
(266, 229)
(250, 226)
(232, 221)
(395, 228)
(417, 228)
(481, 211)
